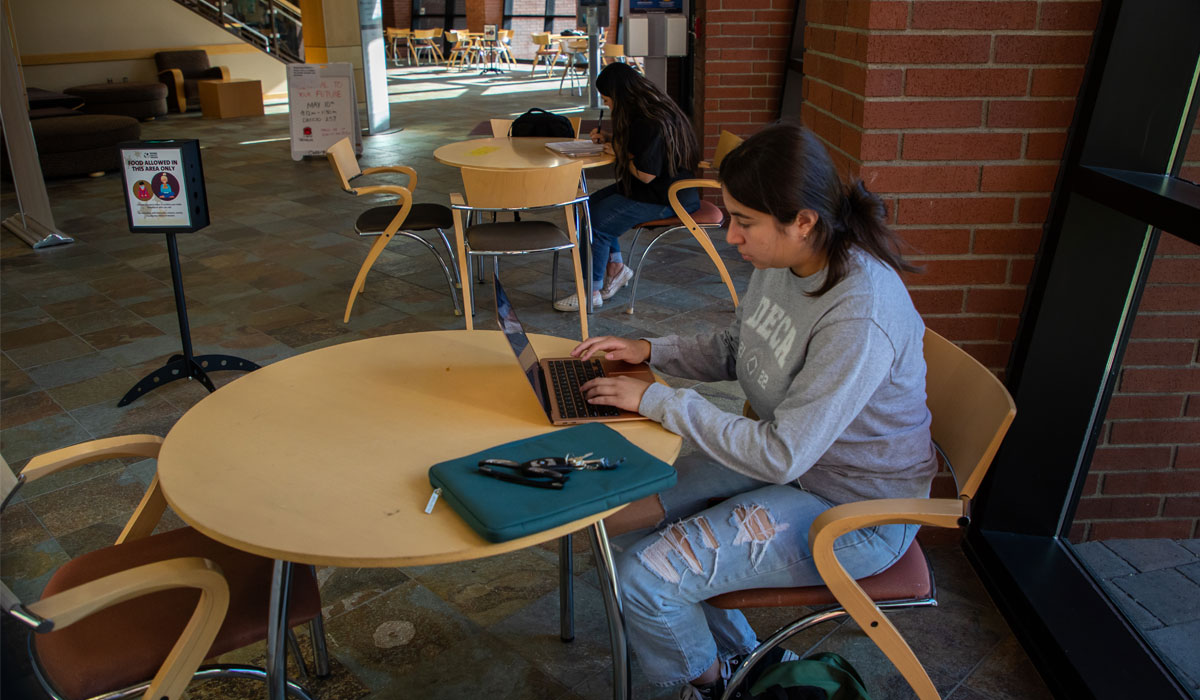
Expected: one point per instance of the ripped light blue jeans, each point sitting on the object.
(757, 538)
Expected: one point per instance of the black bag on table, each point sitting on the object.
(539, 122)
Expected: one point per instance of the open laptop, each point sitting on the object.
(556, 380)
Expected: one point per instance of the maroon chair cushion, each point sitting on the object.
(908, 579)
(125, 644)
(708, 214)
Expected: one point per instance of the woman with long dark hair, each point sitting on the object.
(829, 351)
(655, 145)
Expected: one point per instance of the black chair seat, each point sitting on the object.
(514, 236)
(422, 217)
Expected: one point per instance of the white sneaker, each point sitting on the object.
(614, 283)
(571, 302)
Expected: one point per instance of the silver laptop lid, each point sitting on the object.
(506, 318)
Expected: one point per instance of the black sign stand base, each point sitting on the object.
(185, 366)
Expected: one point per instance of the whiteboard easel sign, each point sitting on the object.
(164, 186)
(322, 107)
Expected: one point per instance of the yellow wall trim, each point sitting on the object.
(49, 59)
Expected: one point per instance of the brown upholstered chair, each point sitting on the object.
(142, 614)
(180, 71)
(971, 412)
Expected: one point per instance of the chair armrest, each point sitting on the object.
(173, 77)
(838, 520)
(402, 192)
(825, 530)
(70, 606)
(404, 169)
(147, 514)
(698, 233)
(92, 451)
(704, 165)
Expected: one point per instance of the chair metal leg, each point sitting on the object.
(554, 279)
(796, 626)
(637, 270)
(442, 263)
(566, 590)
(611, 590)
(203, 673)
(316, 631)
(450, 257)
(294, 648)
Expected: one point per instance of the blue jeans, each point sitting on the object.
(758, 538)
(613, 214)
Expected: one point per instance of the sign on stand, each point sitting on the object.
(322, 107)
(164, 186)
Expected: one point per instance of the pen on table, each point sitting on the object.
(600, 125)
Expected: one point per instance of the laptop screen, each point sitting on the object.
(506, 318)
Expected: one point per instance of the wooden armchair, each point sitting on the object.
(547, 51)
(698, 223)
(492, 191)
(971, 412)
(180, 71)
(386, 222)
(141, 615)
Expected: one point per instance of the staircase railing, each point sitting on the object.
(274, 26)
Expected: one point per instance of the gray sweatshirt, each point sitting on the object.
(837, 380)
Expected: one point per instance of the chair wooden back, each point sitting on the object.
(725, 144)
(500, 127)
(8, 482)
(423, 34)
(345, 164)
(394, 33)
(613, 50)
(521, 189)
(540, 38)
(971, 410)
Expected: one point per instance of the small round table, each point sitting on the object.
(323, 459)
(505, 153)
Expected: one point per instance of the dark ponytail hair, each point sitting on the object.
(784, 169)
(634, 96)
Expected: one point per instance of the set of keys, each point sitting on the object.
(544, 472)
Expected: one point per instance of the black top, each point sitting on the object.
(649, 152)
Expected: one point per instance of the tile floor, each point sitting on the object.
(267, 280)
(1156, 583)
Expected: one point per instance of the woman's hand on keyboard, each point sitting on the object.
(623, 392)
(613, 348)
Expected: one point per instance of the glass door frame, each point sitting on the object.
(1116, 189)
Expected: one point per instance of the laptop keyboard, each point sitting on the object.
(566, 376)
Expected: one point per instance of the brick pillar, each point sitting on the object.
(481, 12)
(397, 14)
(740, 54)
(956, 113)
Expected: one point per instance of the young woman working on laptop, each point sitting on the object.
(655, 145)
(828, 349)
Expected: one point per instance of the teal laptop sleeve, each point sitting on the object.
(501, 511)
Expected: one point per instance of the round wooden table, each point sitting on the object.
(323, 458)
(505, 153)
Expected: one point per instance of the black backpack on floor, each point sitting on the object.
(539, 122)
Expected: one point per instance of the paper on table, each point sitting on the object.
(576, 148)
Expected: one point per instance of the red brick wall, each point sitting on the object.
(740, 54)
(1145, 476)
(956, 113)
(397, 13)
